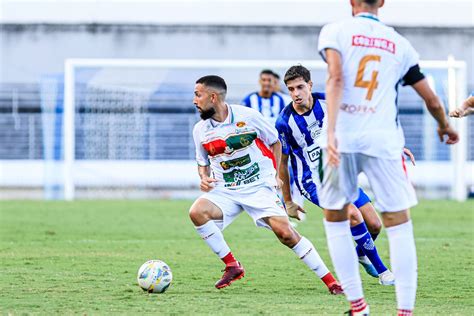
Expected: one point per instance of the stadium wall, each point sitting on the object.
(29, 51)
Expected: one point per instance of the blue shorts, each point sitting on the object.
(361, 200)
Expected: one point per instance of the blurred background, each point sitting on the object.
(96, 95)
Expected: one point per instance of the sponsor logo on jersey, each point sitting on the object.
(374, 42)
(362, 109)
(240, 124)
(242, 176)
(237, 162)
(230, 144)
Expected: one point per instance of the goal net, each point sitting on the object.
(128, 124)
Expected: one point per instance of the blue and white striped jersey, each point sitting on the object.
(297, 134)
(269, 107)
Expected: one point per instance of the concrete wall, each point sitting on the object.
(29, 51)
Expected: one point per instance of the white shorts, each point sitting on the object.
(387, 177)
(258, 201)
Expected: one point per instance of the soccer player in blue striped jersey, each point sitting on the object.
(299, 126)
(270, 101)
(266, 101)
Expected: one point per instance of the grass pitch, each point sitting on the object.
(82, 258)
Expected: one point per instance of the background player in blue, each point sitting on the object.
(299, 125)
(266, 100)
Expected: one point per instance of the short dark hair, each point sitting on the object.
(297, 71)
(213, 81)
(267, 72)
(370, 2)
(277, 76)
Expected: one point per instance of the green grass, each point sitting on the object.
(82, 258)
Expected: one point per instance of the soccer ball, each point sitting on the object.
(154, 276)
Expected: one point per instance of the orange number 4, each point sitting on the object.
(373, 83)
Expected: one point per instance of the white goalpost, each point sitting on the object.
(128, 122)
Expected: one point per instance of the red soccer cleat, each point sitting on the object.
(335, 288)
(231, 274)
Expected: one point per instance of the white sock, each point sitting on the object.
(344, 258)
(404, 264)
(305, 250)
(212, 235)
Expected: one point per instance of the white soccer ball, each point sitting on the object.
(154, 276)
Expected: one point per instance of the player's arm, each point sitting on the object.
(206, 180)
(291, 207)
(334, 88)
(466, 109)
(436, 110)
(276, 150)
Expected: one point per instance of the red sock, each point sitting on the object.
(405, 312)
(358, 305)
(229, 259)
(328, 279)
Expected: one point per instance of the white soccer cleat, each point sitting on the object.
(368, 266)
(387, 278)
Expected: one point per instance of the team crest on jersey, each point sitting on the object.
(240, 124)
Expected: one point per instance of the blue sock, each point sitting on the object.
(359, 250)
(366, 244)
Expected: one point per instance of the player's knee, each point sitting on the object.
(287, 235)
(199, 213)
(374, 227)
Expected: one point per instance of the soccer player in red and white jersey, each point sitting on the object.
(238, 152)
(366, 62)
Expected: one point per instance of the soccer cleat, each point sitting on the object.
(387, 278)
(368, 266)
(364, 312)
(335, 288)
(231, 274)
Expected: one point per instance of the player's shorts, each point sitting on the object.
(258, 201)
(361, 200)
(387, 177)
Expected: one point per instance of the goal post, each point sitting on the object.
(126, 112)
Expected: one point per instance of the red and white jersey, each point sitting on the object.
(375, 58)
(237, 149)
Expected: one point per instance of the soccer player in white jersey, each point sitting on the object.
(238, 152)
(366, 62)
(299, 126)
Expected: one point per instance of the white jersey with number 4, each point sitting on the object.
(374, 58)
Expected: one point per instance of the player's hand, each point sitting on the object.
(459, 112)
(207, 183)
(407, 152)
(293, 210)
(333, 153)
(447, 130)
(279, 183)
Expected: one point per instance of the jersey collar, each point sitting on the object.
(228, 120)
(368, 15)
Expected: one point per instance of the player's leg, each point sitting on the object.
(304, 249)
(395, 195)
(206, 215)
(337, 190)
(368, 257)
(265, 208)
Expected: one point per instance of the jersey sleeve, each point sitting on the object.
(281, 128)
(202, 158)
(410, 58)
(328, 38)
(267, 132)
